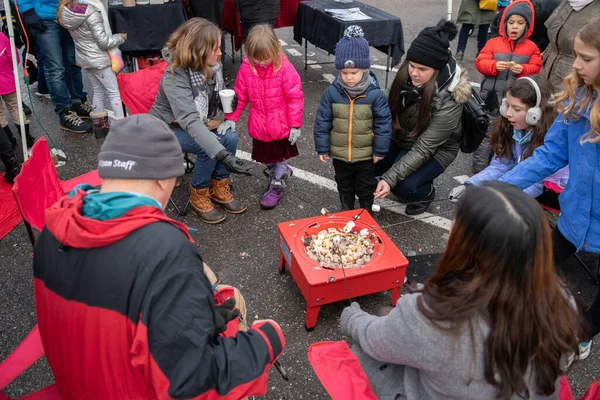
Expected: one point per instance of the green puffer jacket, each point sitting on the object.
(440, 141)
(368, 135)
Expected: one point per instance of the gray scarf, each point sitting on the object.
(206, 92)
(359, 88)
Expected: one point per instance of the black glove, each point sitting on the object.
(33, 21)
(225, 313)
(234, 102)
(232, 163)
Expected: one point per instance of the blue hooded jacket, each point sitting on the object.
(45, 9)
(580, 201)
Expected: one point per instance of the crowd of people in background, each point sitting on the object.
(495, 292)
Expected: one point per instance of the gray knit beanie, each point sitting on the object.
(140, 147)
(352, 51)
(524, 10)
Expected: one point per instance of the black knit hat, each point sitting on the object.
(432, 46)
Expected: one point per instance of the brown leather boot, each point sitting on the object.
(221, 196)
(201, 205)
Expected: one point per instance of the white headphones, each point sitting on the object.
(534, 113)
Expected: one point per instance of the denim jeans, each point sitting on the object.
(417, 185)
(463, 36)
(63, 76)
(206, 167)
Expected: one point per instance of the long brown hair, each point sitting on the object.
(262, 44)
(427, 95)
(192, 43)
(590, 35)
(502, 130)
(498, 265)
(59, 9)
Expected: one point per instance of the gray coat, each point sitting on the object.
(406, 356)
(91, 41)
(469, 13)
(562, 26)
(440, 141)
(175, 102)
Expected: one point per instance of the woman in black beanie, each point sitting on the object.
(426, 101)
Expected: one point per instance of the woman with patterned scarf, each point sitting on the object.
(426, 101)
(188, 100)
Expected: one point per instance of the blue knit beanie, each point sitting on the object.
(352, 51)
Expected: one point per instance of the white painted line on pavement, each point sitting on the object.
(329, 78)
(382, 67)
(389, 205)
(461, 179)
(281, 42)
(294, 52)
(475, 84)
(314, 66)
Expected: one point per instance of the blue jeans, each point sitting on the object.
(57, 56)
(206, 167)
(463, 36)
(417, 185)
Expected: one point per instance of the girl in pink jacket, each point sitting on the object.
(269, 82)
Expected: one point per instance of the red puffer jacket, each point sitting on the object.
(276, 100)
(502, 48)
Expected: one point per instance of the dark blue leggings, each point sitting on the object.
(463, 36)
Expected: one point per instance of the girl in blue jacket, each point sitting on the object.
(573, 140)
(526, 116)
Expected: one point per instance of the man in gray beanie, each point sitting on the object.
(118, 284)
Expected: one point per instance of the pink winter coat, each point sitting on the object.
(7, 80)
(276, 100)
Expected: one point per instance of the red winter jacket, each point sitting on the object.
(502, 48)
(276, 100)
(126, 312)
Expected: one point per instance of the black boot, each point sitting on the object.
(366, 204)
(9, 135)
(26, 109)
(420, 206)
(29, 139)
(11, 165)
(100, 124)
(347, 201)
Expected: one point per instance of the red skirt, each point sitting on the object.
(273, 152)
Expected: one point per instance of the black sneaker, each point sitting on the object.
(83, 110)
(69, 121)
(26, 109)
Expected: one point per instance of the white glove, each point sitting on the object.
(225, 125)
(294, 135)
(456, 193)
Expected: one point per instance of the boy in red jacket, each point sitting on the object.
(504, 58)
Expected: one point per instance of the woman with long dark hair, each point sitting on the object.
(493, 321)
(426, 101)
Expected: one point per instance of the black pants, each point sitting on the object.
(5, 144)
(562, 250)
(355, 179)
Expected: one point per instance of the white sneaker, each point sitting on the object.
(584, 350)
(43, 95)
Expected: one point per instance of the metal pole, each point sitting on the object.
(13, 54)
(449, 10)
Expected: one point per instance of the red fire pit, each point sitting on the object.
(320, 285)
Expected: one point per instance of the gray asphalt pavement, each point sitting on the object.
(243, 250)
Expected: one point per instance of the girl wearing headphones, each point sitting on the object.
(525, 117)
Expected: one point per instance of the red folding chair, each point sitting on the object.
(24, 356)
(138, 91)
(37, 187)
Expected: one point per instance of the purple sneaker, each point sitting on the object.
(273, 194)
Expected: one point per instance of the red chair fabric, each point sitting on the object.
(24, 356)
(593, 393)
(9, 212)
(565, 392)
(339, 371)
(37, 186)
(139, 89)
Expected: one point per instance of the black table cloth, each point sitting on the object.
(147, 26)
(383, 30)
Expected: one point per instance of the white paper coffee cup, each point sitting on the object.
(226, 96)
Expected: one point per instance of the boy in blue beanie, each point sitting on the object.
(353, 124)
